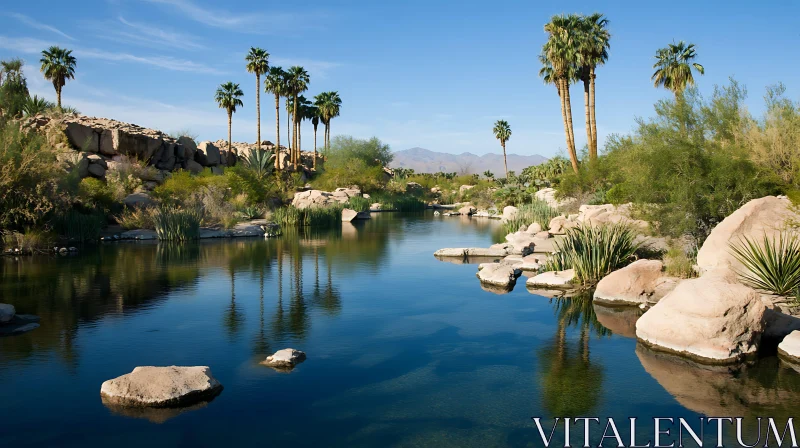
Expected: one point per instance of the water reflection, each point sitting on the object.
(571, 383)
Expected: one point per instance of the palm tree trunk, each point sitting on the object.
(258, 110)
(570, 127)
(58, 95)
(592, 109)
(505, 162)
(314, 165)
(562, 95)
(587, 110)
(277, 132)
(294, 141)
(230, 120)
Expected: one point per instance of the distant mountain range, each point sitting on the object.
(422, 160)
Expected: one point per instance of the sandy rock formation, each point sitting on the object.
(553, 279)
(640, 282)
(285, 359)
(502, 274)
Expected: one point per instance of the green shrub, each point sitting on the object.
(537, 211)
(358, 204)
(80, 227)
(29, 242)
(291, 216)
(95, 193)
(174, 224)
(678, 263)
(772, 266)
(136, 218)
(594, 251)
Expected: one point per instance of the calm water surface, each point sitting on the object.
(403, 349)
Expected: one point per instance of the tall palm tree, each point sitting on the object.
(303, 114)
(228, 97)
(674, 65)
(502, 132)
(58, 65)
(329, 104)
(258, 64)
(593, 45)
(558, 68)
(275, 83)
(298, 81)
(313, 112)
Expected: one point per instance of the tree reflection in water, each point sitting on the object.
(571, 384)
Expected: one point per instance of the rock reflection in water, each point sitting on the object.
(620, 320)
(154, 415)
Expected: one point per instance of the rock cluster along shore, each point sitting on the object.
(12, 323)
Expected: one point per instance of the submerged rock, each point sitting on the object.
(285, 359)
(640, 282)
(19, 324)
(708, 319)
(161, 387)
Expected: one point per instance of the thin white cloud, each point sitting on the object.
(39, 25)
(248, 23)
(35, 46)
(147, 35)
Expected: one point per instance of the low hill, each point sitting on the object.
(422, 160)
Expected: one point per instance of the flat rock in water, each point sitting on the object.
(640, 282)
(20, 323)
(789, 348)
(502, 274)
(557, 279)
(285, 359)
(171, 386)
(349, 215)
(139, 234)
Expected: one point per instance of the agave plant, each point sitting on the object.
(594, 251)
(260, 161)
(772, 266)
(36, 105)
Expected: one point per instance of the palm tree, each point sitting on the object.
(593, 45)
(11, 69)
(58, 65)
(558, 68)
(502, 132)
(302, 114)
(228, 97)
(329, 104)
(312, 112)
(298, 80)
(257, 63)
(275, 83)
(674, 67)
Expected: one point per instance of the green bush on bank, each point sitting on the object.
(536, 212)
(292, 216)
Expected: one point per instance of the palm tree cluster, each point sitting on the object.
(288, 84)
(576, 45)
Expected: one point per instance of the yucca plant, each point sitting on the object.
(772, 266)
(36, 105)
(252, 212)
(537, 211)
(177, 224)
(260, 161)
(594, 251)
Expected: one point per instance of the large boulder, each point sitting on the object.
(560, 224)
(138, 200)
(509, 213)
(765, 216)
(709, 319)
(467, 210)
(548, 195)
(161, 387)
(194, 167)
(7, 313)
(96, 170)
(638, 283)
(75, 161)
(207, 154)
(503, 274)
(82, 136)
(523, 243)
(189, 147)
(348, 215)
(313, 198)
(594, 215)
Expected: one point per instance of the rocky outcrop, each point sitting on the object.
(709, 319)
(348, 215)
(765, 216)
(503, 274)
(319, 198)
(509, 213)
(560, 224)
(285, 359)
(467, 210)
(138, 200)
(641, 282)
(161, 387)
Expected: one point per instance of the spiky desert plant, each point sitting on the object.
(772, 266)
(594, 251)
(358, 204)
(260, 161)
(537, 211)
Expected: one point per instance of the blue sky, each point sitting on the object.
(435, 74)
